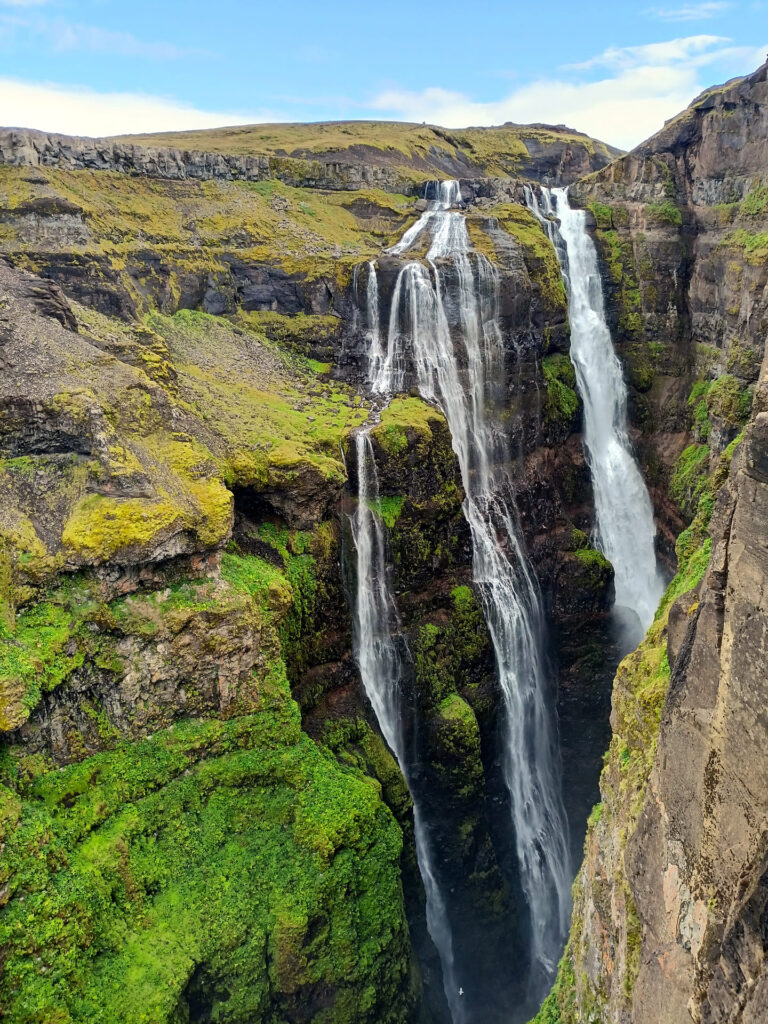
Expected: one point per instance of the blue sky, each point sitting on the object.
(615, 70)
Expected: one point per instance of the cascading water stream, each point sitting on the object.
(624, 526)
(444, 326)
(381, 670)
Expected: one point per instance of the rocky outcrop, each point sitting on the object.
(698, 859)
(27, 148)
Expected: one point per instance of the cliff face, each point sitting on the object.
(669, 921)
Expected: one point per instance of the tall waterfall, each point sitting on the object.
(624, 526)
(381, 670)
(444, 328)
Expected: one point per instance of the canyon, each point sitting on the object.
(382, 537)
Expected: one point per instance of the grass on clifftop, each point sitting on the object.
(413, 149)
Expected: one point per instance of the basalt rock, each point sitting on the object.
(669, 905)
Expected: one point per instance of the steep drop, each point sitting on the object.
(381, 669)
(444, 331)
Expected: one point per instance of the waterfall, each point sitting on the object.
(444, 327)
(624, 526)
(381, 669)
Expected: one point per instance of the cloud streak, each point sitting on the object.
(68, 37)
(690, 12)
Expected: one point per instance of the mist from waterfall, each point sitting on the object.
(624, 528)
(444, 330)
(381, 669)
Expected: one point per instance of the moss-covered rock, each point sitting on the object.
(229, 865)
(237, 865)
(561, 404)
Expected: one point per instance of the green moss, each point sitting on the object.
(597, 566)
(561, 404)
(269, 417)
(235, 849)
(756, 201)
(301, 332)
(36, 656)
(729, 400)
(538, 253)
(7, 589)
(754, 246)
(100, 527)
(234, 855)
(388, 509)
(665, 212)
(689, 476)
(458, 725)
(603, 216)
(697, 401)
(446, 656)
(616, 250)
(402, 419)
(559, 1006)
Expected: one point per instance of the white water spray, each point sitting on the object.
(624, 526)
(381, 670)
(444, 326)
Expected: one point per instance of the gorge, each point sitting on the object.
(382, 548)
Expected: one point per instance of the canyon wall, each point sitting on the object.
(183, 722)
(669, 921)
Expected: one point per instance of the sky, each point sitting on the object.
(614, 70)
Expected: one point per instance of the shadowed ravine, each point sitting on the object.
(443, 334)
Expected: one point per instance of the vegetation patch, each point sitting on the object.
(690, 476)
(754, 246)
(665, 212)
(561, 403)
(388, 509)
(538, 253)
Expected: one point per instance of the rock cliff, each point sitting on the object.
(199, 815)
(669, 905)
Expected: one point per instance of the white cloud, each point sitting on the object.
(74, 111)
(23, 3)
(690, 12)
(65, 37)
(693, 50)
(639, 88)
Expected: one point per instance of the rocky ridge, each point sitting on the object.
(337, 155)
